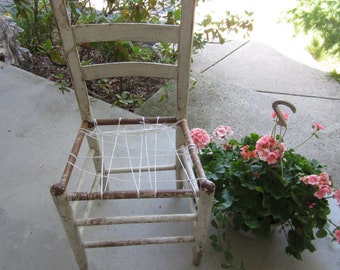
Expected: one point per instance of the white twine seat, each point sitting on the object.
(128, 162)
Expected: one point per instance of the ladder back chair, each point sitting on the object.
(130, 160)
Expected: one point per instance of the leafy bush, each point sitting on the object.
(40, 35)
(37, 21)
(36, 18)
(321, 20)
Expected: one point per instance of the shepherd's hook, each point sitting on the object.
(281, 121)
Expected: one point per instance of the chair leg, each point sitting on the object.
(202, 224)
(97, 160)
(180, 142)
(179, 175)
(65, 211)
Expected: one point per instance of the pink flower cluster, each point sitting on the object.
(322, 182)
(200, 137)
(222, 131)
(324, 188)
(269, 149)
(246, 154)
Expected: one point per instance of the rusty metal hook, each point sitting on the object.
(281, 121)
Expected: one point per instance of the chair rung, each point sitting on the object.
(142, 169)
(130, 194)
(137, 242)
(134, 121)
(136, 219)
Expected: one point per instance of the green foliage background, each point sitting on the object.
(321, 20)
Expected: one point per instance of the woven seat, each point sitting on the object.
(129, 164)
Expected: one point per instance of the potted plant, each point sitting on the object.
(259, 181)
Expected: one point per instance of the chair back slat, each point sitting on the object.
(127, 32)
(123, 69)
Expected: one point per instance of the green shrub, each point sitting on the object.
(36, 19)
(319, 19)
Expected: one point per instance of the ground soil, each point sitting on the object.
(128, 93)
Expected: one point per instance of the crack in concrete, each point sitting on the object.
(224, 57)
(295, 95)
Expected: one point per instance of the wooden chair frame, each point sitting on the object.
(203, 190)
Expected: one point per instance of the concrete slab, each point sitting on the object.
(266, 69)
(38, 129)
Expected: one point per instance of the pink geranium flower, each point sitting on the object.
(337, 235)
(285, 115)
(273, 157)
(321, 181)
(269, 149)
(200, 137)
(311, 205)
(222, 131)
(311, 179)
(324, 180)
(337, 196)
(322, 192)
(318, 126)
(246, 154)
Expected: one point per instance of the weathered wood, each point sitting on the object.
(129, 194)
(143, 241)
(184, 61)
(83, 175)
(142, 169)
(72, 58)
(136, 219)
(145, 32)
(60, 188)
(133, 121)
(124, 69)
(67, 218)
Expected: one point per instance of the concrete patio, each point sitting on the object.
(39, 125)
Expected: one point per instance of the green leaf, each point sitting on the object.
(216, 247)
(177, 14)
(252, 223)
(228, 256)
(214, 238)
(259, 189)
(295, 240)
(214, 224)
(225, 266)
(56, 58)
(321, 233)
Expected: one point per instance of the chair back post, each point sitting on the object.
(184, 58)
(71, 56)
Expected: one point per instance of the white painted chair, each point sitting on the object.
(127, 160)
